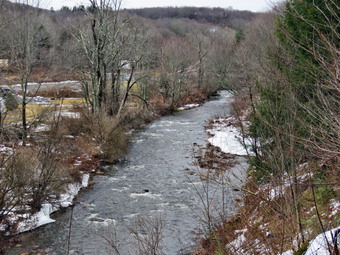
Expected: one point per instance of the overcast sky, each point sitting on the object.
(252, 5)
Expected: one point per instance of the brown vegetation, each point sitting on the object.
(292, 192)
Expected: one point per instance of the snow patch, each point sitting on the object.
(36, 220)
(6, 150)
(45, 83)
(227, 138)
(39, 100)
(85, 180)
(68, 114)
(335, 207)
(319, 245)
(29, 222)
(238, 242)
(69, 136)
(42, 128)
(277, 191)
(187, 107)
(290, 252)
(73, 189)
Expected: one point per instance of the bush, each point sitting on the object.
(58, 93)
(76, 126)
(111, 134)
(11, 102)
(36, 176)
(116, 145)
(324, 192)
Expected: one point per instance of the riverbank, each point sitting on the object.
(154, 181)
(85, 158)
(265, 221)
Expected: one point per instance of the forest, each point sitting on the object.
(74, 82)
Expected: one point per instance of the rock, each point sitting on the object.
(238, 199)
(96, 219)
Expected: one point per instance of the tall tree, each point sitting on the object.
(113, 44)
(296, 116)
(176, 62)
(94, 43)
(202, 40)
(309, 32)
(97, 41)
(28, 44)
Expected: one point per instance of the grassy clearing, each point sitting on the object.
(68, 101)
(35, 111)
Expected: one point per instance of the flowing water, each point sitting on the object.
(154, 182)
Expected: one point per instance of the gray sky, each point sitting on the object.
(252, 5)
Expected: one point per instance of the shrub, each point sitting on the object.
(11, 102)
(111, 134)
(37, 176)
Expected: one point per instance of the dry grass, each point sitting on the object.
(62, 92)
(270, 223)
(112, 136)
(213, 159)
(35, 111)
(194, 96)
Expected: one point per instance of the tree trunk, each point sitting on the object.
(23, 112)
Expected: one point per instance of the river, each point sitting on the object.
(154, 183)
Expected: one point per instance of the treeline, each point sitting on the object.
(218, 16)
(224, 17)
(89, 43)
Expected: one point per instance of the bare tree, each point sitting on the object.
(27, 41)
(202, 41)
(110, 43)
(148, 232)
(135, 54)
(175, 60)
(98, 43)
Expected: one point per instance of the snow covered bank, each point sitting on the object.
(227, 137)
(29, 222)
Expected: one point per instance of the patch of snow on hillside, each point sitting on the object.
(290, 252)
(235, 246)
(6, 150)
(319, 245)
(335, 207)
